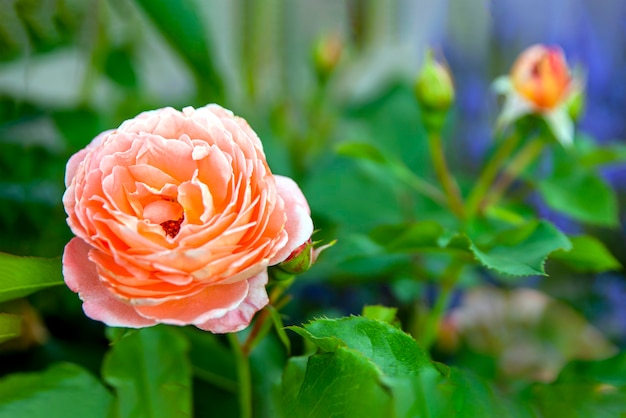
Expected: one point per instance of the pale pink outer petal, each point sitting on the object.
(98, 303)
(240, 317)
(299, 225)
(76, 159)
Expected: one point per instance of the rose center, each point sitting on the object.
(171, 228)
(167, 213)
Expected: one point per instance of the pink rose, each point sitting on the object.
(177, 217)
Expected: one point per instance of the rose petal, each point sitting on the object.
(76, 159)
(240, 317)
(98, 303)
(212, 302)
(299, 225)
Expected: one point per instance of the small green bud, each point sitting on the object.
(303, 257)
(327, 54)
(434, 88)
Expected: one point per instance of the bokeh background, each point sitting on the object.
(70, 69)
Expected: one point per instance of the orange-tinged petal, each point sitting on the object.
(541, 75)
(212, 302)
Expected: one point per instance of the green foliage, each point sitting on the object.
(150, 373)
(518, 251)
(21, 276)
(583, 196)
(584, 389)
(180, 23)
(342, 383)
(365, 367)
(362, 151)
(381, 313)
(523, 250)
(10, 326)
(61, 389)
(347, 377)
(588, 254)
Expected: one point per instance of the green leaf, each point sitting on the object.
(404, 237)
(151, 374)
(21, 276)
(611, 371)
(267, 364)
(518, 251)
(62, 390)
(523, 251)
(583, 196)
(575, 400)
(211, 360)
(10, 326)
(361, 150)
(180, 22)
(381, 313)
(215, 374)
(368, 368)
(592, 154)
(474, 397)
(392, 350)
(588, 255)
(343, 383)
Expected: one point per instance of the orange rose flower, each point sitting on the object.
(541, 75)
(177, 217)
(540, 83)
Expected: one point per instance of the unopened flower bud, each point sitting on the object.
(303, 257)
(434, 88)
(327, 54)
(541, 76)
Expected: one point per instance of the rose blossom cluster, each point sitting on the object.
(177, 217)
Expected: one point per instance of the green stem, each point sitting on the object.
(433, 321)
(453, 195)
(418, 184)
(244, 387)
(489, 173)
(518, 164)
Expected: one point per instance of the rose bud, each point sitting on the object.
(434, 88)
(541, 75)
(303, 257)
(177, 217)
(540, 83)
(327, 54)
